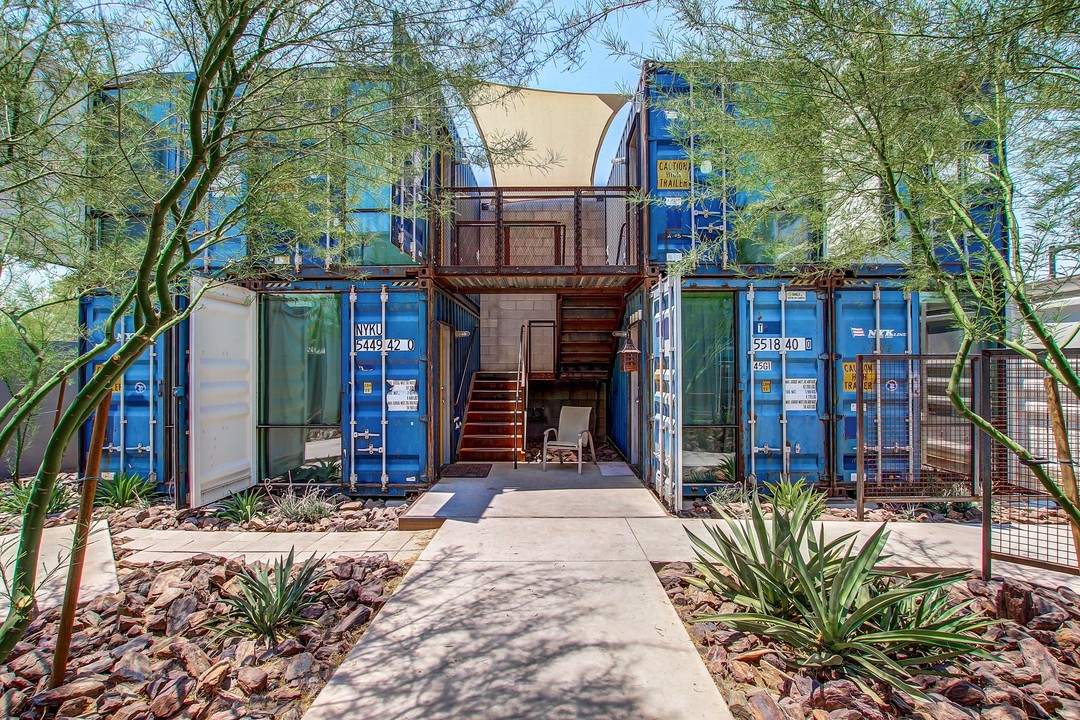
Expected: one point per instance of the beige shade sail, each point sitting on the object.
(564, 131)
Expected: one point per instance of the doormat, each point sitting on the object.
(467, 470)
(615, 469)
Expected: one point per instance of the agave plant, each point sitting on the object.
(830, 604)
(729, 469)
(786, 495)
(125, 489)
(240, 507)
(15, 496)
(271, 599)
(750, 561)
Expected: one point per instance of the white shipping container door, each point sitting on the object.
(667, 392)
(223, 382)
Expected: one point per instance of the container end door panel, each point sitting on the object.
(223, 391)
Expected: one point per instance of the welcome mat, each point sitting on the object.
(467, 470)
(615, 469)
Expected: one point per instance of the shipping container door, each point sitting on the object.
(386, 387)
(782, 370)
(223, 382)
(870, 320)
(133, 436)
(666, 348)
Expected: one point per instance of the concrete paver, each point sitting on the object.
(99, 569)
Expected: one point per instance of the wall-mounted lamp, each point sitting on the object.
(462, 334)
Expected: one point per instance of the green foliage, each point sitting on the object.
(727, 494)
(788, 495)
(15, 495)
(309, 507)
(240, 507)
(271, 599)
(729, 468)
(124, 490)
(962, 506)
(827, 602)
(703, 476)
(757, 555)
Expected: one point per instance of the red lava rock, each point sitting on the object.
(133, 710)
(740, 672)
(171, 696)
(355, 619)
(299, 666)
(32, 665)
(288, 647)
(195, 660)
(75, 707)
(12, 703)
(764, 707)
(943, 710)
(1048, 621)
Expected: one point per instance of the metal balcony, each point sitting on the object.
(537, 238)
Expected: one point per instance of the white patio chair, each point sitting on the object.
(573, 434)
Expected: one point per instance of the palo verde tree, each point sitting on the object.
(180, 125)
(889, 130)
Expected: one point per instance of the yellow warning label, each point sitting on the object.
(672, 174)
(867, 377)
(766, 386)
(367, 388)
(118, 385)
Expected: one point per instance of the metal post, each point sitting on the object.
(786, 457)
(499, 230)
(352, 388)
(577, 231)
(983, 466)
(753, 408)
(860, 443)
(384, 479)
(78, 542)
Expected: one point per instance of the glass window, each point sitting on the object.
(300, 378)
(710, 419)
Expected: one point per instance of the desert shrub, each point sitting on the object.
(308, 507)
(15, 496)
(240, 507)
(124, 490)
(787, 495)
(271, 599)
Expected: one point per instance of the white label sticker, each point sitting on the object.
(673, 200)
(706, 166)
(791, 344)
(403, 396)
(800, 394)
(795, 295)
(389, 344)
(762, 365)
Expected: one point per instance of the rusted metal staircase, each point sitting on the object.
(493, 419)
(586, 344)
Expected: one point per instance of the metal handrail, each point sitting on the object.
(523, 378)
(465, 369)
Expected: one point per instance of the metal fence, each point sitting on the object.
(585, 230)
(1025, 525)
(913, 444)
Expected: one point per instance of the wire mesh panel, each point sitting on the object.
(913, 444)
(1028, 526)
(586, 230)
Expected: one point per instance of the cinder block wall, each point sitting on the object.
(546, 399)
(501, 318)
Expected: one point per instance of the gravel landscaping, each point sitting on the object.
(152, 650)
(1035, 672)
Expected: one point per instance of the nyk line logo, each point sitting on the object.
(874, 333)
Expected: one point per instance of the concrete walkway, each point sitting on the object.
(534, 600)
(99, 568)
(166, 545)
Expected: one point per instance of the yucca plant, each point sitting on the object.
(309, 507)
(271, 599)
(749, 561)
(15, 496)
(124, 490)
(725, 495)
(852, 623)
(786, 495)
(240, 507)
(729, 469)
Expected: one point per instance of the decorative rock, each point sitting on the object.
(1002, 712)
(299, 666)
(1049, 621)
(195, 660)
(1067, 638)
(12, 703)
(288, 647)
(212, 678)
(763, 707)
(179, 612)
(741, 672)
(85, 687)
(131, 667)
(32, 665)
(251, 679)
(964, 693)
(133, 710)
(1015, 603)
(1039, 659)
(943, 710)
(75, 707)
(171, 696)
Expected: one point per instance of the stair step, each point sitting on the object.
(495, 385)
(489, 455)
(494, 395)
(489, 416)
(474, 442)
(485, 427)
